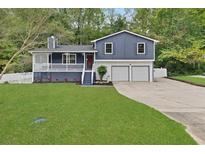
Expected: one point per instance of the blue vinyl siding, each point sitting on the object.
(57, 57)
(125, 47)
(57, 76)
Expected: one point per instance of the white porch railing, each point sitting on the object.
(83, 74)
(92, 74)
(57, 67)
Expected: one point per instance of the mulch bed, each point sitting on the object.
(103, 83)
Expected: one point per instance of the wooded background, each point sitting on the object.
(181, 33)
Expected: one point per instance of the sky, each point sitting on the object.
(120, 11)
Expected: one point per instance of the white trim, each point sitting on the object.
(111, 48)
(137, 48)
(68, 60)
(62, 51)
(94, 58)
(94, 45)
(88, 70)
(127, 32)
(47, 61)
(84, 57)
(124, 60)
(83, 72)
(59, 71)
(130, 73)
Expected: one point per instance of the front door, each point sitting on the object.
(89, 61)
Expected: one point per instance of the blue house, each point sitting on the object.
(128, 57)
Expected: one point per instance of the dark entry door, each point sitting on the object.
(89, 61)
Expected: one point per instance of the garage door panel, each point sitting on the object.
(140, 73)
(120, 73)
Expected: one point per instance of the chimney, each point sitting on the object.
(52, 42)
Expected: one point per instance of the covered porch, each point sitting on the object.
(77, 61)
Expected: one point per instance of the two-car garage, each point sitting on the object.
(130, 73)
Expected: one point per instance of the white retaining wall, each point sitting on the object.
(160, 72)
(17, 78)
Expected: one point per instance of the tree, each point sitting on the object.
(179, 61)
(177, 30)
(120, 24)
(142, 21)
(85, 23)
(27, 36)
(102, 70)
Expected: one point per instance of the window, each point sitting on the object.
(69, 58)
(141, 48)
(72, 59)
(108, 48)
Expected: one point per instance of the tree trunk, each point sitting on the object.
(101, 78)
(194, 66)
(199, 66)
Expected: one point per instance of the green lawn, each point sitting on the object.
(81, 115)
(194, 80)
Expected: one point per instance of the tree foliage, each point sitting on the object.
(181, 32)
(102, 70)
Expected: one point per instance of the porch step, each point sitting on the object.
(87, 78)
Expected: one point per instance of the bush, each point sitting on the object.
(182, 61)
(198, 72)
(102, 70)
(23, 64)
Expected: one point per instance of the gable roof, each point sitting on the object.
(126, 32)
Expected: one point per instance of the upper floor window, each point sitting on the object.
(69, 58)
(140, 48)
(108, 48)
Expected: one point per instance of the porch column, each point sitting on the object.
(33, 69)
(84, 61)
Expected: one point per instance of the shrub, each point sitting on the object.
(23, 64)
(102, 70)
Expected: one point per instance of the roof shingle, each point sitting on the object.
(68, 48)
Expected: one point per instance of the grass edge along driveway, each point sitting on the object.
(81, 115)
(191, 79)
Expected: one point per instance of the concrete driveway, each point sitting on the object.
(180, 101)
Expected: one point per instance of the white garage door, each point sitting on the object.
(140, 73)
(120, 73)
